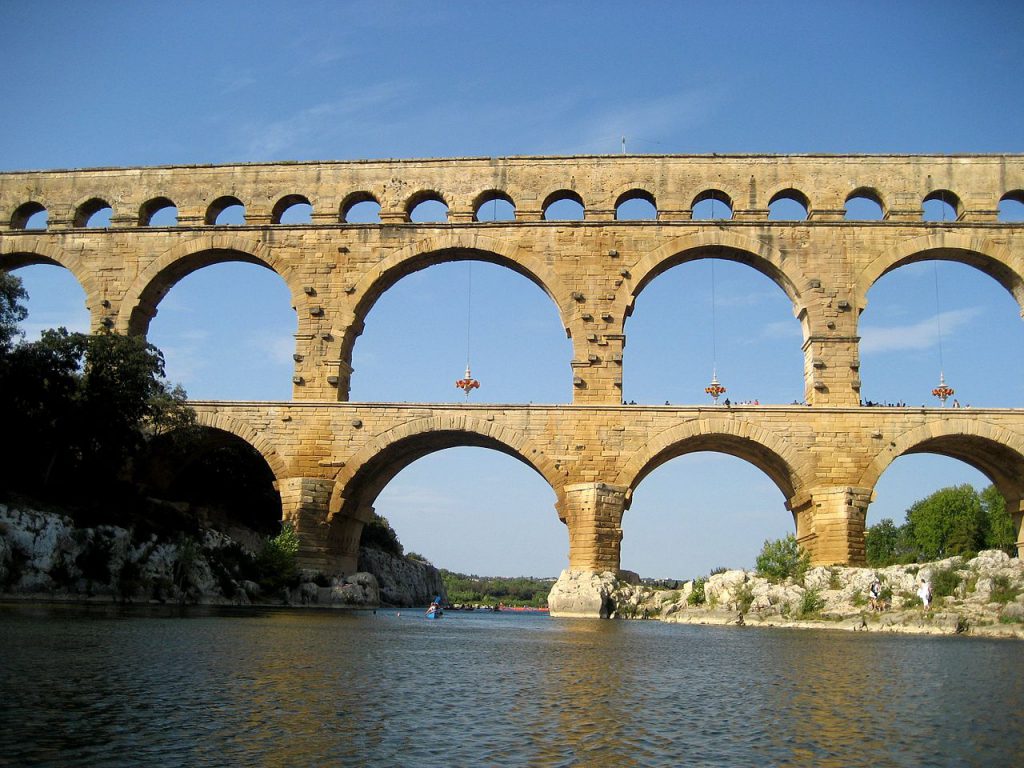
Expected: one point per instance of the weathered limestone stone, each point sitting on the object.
(331, 457)
(582, 594)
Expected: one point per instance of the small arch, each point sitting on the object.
(426, 207)
(210, 416)
(292, 209)
(864, 204)
(226, 210)
(563, 205)
(158, 212)
(30, 215)
(636, 205)
(360, 208)
(712, 205)
(788, 205)
(494, 205)
(93, 213)
(941, 205)
(1011, 206)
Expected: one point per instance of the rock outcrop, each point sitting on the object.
(402, 582)
(43, 555)
(583, 594)
(981, 595)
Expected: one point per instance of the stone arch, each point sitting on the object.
(141, 299)
(353, 199)
(633, 191)
(790, 469)
(24, 212)
(150, 208)
(284, 203)
(994, 451)
(86, 209)
(23, 252)
(438, 249)
(792, 193)
(215, 420)
(718, 243)
(867, 193)
(366, 473)
(488, 196)
(979, 252)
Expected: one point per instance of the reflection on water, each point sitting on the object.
(152, 687)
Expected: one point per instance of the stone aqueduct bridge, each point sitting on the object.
(331, 457)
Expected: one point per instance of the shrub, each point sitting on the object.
(378, 534)
(783, 559)
(670, 597)
(811, 603)
(834, 580)
(696, 596)
(278, 561)
(858, 599)
(1002, 590)
(745, 599)
(718, 570)
(910, 600)
(945, 582)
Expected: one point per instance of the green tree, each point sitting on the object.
(82, 408)
(1000, 532)
(12, 309)
(949, 522)
(782, 559)
(886, 543)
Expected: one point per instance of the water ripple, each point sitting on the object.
(84, 687)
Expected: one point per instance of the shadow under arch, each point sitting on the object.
(979, 252)
(786, 467)
(719, 244)
(208, 416)
(439, 250)
(215, 470)
(994, 451)
(144, 295)
(366, 474)
(21, 252)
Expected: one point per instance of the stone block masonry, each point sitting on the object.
(331, 458)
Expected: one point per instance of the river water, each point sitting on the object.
(102, 686)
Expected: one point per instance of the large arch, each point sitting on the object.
(788, 468)
(19, 252)
(366, 473)
(993, 450)
(716, 243)
(979, 252)
(16, 253)
(153, 283)
(215, 420)
(440, 249)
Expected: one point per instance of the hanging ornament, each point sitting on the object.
(715, 389)
(943, 391)
(467, 383)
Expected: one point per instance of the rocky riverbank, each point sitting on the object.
(43, 556)
(981, 596)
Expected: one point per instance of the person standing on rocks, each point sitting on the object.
(925, 593)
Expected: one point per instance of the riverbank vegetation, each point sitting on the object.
(952, 521)
(496, 590)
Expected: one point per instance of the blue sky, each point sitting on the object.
(146, 83)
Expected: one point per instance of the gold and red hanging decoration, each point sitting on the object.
(943, 391)
(715, 389)
(467, 384)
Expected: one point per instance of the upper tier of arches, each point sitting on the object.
(855, 188)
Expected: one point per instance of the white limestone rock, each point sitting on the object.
(580, 593)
